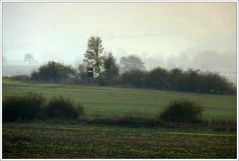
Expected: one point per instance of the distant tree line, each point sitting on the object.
(157, 78)
(178, 80)
(130, 72)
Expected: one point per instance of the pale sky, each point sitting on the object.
(160, 33)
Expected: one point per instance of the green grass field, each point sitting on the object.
(111, 101)
(67, 140)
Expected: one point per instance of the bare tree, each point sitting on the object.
(28, 58)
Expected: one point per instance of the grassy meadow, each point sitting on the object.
(78, 140)
(113, 101)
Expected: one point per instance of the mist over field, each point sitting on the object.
(222, 63)
(201, 36)
(119, 80)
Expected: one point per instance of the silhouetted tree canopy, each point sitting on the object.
(133, 73)
(54, 72)
(131, 62)
(178, 80)
(158, 78)
(134, 78)
(111, 69)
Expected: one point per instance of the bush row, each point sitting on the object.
(158, 78)
(178, 80)
(138, 121)
(33, 106)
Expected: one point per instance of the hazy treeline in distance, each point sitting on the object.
(130, 72)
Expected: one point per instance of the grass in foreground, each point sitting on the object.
(51, 140)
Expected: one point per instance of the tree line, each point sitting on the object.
(130, 72)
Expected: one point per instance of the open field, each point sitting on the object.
(51, 140)
(112, 101)
(79, 140)
(119, 80)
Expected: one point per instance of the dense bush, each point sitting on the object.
(134, 78)
(178, 80)
(158, 78)
(31, 106)
(182, 111)
(54, 72)
(22, 107)
(213, 83)
(62, 108)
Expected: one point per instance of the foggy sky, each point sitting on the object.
(187, 35)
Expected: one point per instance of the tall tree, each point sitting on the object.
(131, 62)
(94, 53)
(110, 66)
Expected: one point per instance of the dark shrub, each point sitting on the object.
(111, 71)
(182, 111)
(158, 78)
(214, 83)
(176, 79)
(127, 120)
(22, 107)
(54, 72)
(62, 108)
(134, 78)
(35, 76)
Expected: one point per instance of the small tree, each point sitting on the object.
(131, 62)
(110, 66)
(94, 53)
